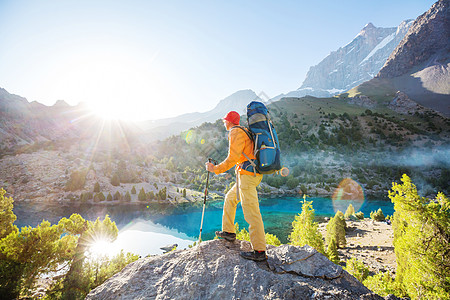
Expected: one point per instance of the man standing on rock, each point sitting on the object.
(244, 190)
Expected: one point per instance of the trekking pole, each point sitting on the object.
(204, 202)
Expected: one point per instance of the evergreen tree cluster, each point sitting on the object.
(28, 253)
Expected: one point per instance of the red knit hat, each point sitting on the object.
(233, 117)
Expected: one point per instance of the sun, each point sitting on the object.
(101, 248)
(108, 111)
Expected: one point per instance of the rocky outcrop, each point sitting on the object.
(402, 104)
(358, 61)
(363, 100)
(214, 270)
(427, 38)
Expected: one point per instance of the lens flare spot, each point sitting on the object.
(189, 136)
(348, 192)
(202, 141)
(284, 172)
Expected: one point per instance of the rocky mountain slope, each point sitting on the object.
(356, 62)
(31, 125)
(22, 122)
(420, 65)
(214, 270)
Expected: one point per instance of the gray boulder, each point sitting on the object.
(214, 270)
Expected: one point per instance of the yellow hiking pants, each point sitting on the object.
(250, 206)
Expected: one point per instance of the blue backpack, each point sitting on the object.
(264, 135)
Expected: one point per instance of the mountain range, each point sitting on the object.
(413, 58)
(350, 65)
(420, 65)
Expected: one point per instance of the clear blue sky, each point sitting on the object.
(154, 59)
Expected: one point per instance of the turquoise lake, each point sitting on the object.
(143, 229)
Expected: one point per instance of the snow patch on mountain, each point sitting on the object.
(381, 45)
(353, 64)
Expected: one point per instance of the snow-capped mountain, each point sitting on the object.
(358, 61)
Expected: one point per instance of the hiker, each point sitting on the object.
(243, 190)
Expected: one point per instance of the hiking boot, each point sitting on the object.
(231, 237)
(254, 255)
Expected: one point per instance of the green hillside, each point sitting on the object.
(326, 140)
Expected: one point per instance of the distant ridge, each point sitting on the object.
(163, 128)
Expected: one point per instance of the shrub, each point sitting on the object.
(76, 181)
(133, 190)
(243, 235)
(350, 211)
(305, 231)
(109, 197)
(357, 269)
(377, 216)
(292, 183)
(383, 284)
(271, 239)
(360, 215)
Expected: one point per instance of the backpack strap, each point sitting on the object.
(251, 163)
(245, 130)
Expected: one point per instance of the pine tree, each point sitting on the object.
(378, 215)
(96, 187)
(357, 269)
(117, 196)
(127, 197)
(142, 196)
(109, 197)
(421, 241)
(84, 197)
(115, 181)
(332, 252)
(336, 230)
(305, 231)
(184, 193)
(76, 181)
(99, 197)
(350, 211)
(133, 190)
(7, 216)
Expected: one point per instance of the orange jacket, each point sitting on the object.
(238, 142)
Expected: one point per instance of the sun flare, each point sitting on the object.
(101, 248)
